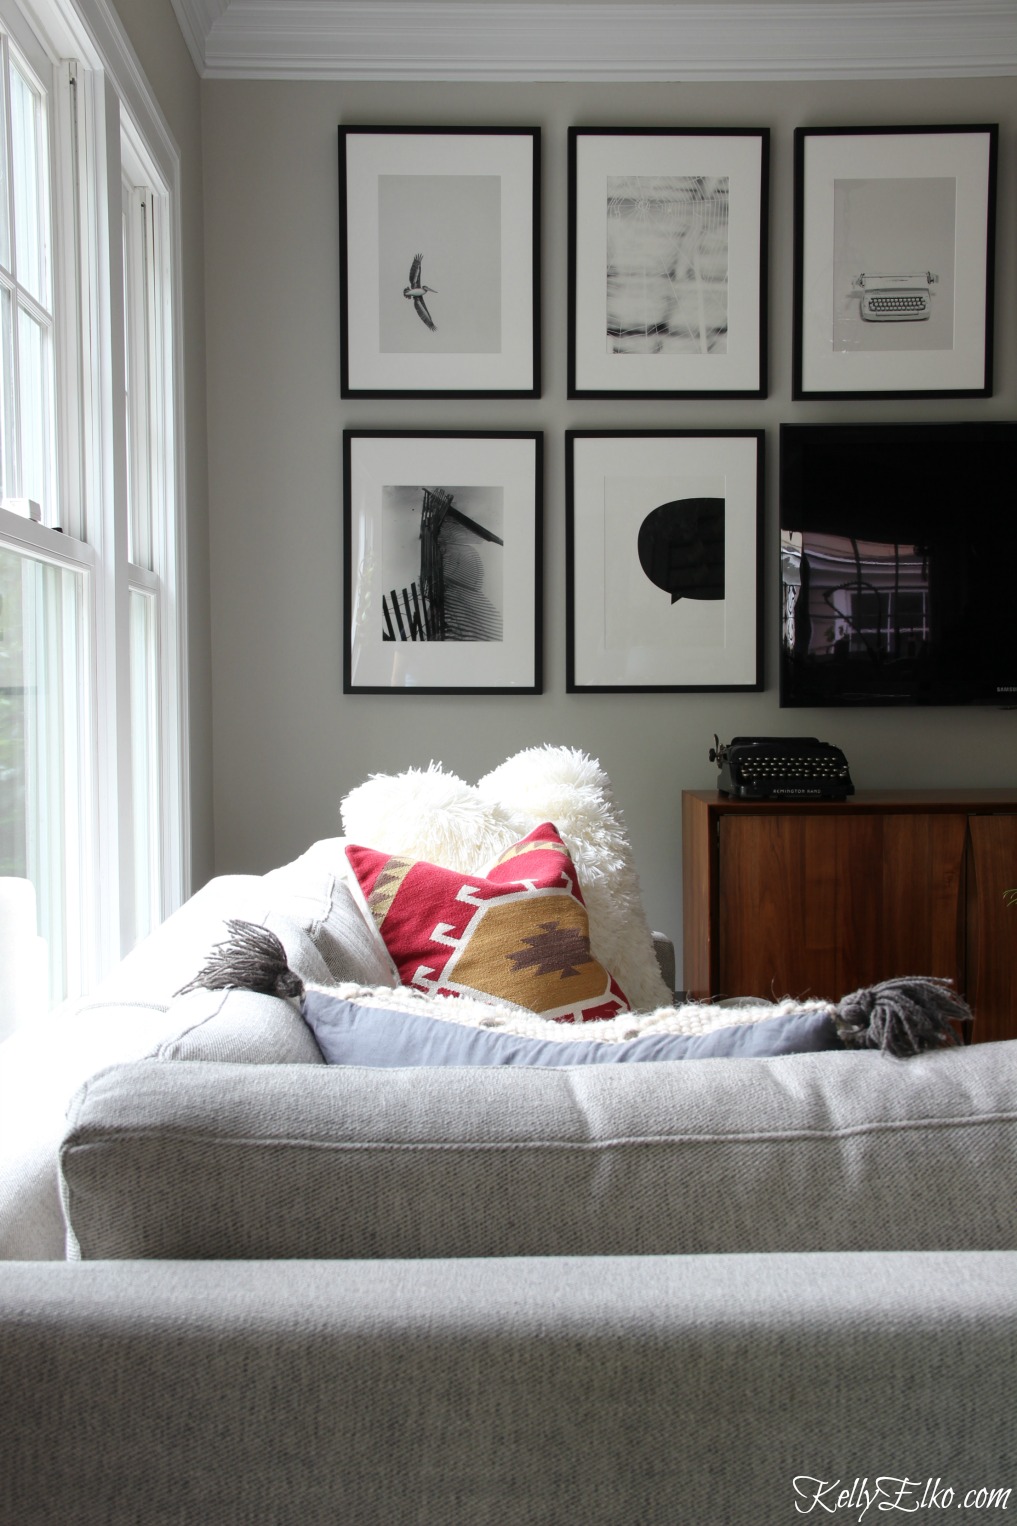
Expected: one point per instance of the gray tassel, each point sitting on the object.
(901, 1017)
(253, 959)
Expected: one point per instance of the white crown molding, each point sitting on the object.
(197, 18)
(516, 40)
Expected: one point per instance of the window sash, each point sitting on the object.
(46, 740)
(91, 339)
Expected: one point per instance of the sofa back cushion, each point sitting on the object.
(812, 1152)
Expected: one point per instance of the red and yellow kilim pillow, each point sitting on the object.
(517, 933)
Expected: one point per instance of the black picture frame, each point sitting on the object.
(645, 511)
(439, 262)
(442, 561)
(894, 259)
(667, 251)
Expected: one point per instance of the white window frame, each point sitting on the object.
(103, 118)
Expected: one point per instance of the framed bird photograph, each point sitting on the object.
(663, 549)
(439, 247)
(667, 233)
(442, 538)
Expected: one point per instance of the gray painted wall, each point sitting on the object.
(155, 36)
(287, 744)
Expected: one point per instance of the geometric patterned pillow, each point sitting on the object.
(518, 932)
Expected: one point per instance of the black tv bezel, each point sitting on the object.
(967, 433)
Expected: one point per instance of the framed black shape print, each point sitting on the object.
(663, 560)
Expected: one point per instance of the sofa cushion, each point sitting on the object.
(313, 892)
(808, 1152)
(517, 933)
(239, 1027)
(352, 1033)
(432, 814)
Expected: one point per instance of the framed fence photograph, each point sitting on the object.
(667, 234)
(893, 261)
(439, 261)
(442, 562)
(663, 560)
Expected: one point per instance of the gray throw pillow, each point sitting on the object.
(350, 1034)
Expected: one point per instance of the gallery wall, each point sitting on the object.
(287, 743)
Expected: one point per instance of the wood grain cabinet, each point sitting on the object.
(821, 898)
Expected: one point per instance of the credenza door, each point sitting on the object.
(820, 904)
(991, 984)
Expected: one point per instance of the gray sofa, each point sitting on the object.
(244, 1286)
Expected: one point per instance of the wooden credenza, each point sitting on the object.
(821, 898)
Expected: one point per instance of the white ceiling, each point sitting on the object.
(603, 40)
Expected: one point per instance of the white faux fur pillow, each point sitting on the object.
(429, 814)
(433, 815)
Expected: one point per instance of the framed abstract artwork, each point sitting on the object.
(893, 261)
(667, 233)
(439, 277)
(442, 562)
(663, 560)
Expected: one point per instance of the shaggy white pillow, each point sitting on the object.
(429, 814)
(432, 814)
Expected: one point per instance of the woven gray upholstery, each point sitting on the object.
(239, 1027)
(815, 1152)
(612, 1392)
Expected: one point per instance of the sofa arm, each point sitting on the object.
(500, 1393)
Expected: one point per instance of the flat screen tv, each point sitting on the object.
(898, 559)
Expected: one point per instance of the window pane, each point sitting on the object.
(43, 749)
(5, 226)
(30, 218)
(8, 415)
(145, 760)
(138, 361)
(34, 398)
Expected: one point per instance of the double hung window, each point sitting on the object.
(92, 798)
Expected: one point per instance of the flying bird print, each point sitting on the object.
(415, 291)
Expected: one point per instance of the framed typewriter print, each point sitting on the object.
(663, 535)
(667, 262)
(893, 261)
(442, 562)
(439, 261)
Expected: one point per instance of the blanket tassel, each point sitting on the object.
(902, 1017)
(253, 959)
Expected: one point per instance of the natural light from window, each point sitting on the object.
(92, 797)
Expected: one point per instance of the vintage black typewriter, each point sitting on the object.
(781, 768)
